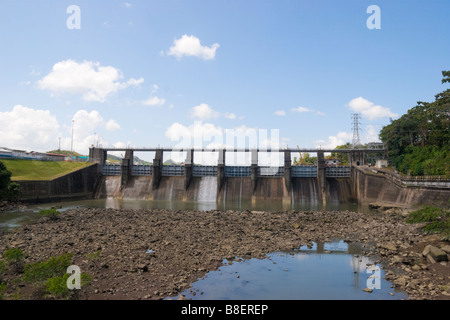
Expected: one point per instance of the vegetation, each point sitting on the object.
(15, 258)
(342, 157)
(307, 160)
(8, 190)
(52, 213)
(419, 142)
(436, 220)
(49, 277)
(40, 170)
(41, 271)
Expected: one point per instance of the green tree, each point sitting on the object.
(419, 141)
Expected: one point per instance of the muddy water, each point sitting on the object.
(329, 271)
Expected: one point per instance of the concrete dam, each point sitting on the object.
(237, 184)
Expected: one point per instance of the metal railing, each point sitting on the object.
(238, 171)
(111, 170)
(303, 171)
(141, 170)
(172, 170)
(338, 172)
(204, 171)
(270, 171)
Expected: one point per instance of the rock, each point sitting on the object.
(142, 267)
(435, 253)
(389, 246)
(446, 248)
(367, 290)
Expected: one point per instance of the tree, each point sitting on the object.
(419, 141)
(8, 190)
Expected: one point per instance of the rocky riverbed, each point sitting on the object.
(155, 254)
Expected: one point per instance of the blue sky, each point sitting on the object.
(149, 73)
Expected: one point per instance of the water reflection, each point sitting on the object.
(321, 271)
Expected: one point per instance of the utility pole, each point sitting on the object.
(59, 145)
(71, 144)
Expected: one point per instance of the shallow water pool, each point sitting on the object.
(329, 271)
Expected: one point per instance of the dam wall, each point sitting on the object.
(233, 189)
(373, 186)
(76, 185)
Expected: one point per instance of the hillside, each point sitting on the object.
(419, 141)
(40, 170)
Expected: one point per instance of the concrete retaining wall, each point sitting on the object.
(73, 186)
(370, 187)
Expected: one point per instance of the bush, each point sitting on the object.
(52, 213)
(57, 286)
(41, 271)
(15, 258)
(2, 289)
(436, 219)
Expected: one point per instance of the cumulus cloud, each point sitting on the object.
(301, 109)
(28, 129)
(93, 81)
(191, 46)
(154, 101)
(112, 125)
(369, 110)
(204, 112)
(280, 113)
(334, 141)
(229, 115)
(304, 110)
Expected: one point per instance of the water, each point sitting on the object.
(331, 271)
(207, 190)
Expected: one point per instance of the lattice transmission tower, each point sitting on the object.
(356, 141)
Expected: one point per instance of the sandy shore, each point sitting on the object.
(188, 244)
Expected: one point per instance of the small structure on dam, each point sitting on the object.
(221, 182)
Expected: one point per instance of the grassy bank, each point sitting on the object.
(40, 170)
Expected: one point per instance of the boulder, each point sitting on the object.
(434, 253)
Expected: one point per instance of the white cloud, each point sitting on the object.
(301, 109)
(154, 101)
(229, 115)
(28, 129)
(93, 81)
(203, 112)
(112, 125)
(127, 4)
(369, 110)
(304, 110)
(38, 130)
(191, 46)
(334, 141)
(280, 113)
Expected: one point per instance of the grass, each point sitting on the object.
(40, 170)
(436, 220)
